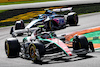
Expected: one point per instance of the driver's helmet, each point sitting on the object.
(45, 35)
(42, 16)
(48, 11)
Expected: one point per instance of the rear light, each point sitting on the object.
(69, 53)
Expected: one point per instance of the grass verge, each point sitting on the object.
(21, 2)
(83, 32)
(1, 11)
(80, 9)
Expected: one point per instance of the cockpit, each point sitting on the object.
(42, 16)
(45, 35)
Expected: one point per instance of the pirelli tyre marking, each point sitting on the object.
(79, 45)
(7, 48)
(50, 25)
(75, 18)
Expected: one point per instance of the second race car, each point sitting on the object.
(51, 20)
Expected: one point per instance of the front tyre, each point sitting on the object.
(12, 47)
(36, 51)
(49, 25)
(32, 53)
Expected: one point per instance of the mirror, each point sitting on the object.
(11, 31)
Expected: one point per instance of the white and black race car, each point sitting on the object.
(51, 20)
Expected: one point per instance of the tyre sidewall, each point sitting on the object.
(72, 19)
(13, 48)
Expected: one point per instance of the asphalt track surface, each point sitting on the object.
(91, 60)
(47, 4)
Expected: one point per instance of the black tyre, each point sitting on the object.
(36, 51)
(91, 46)
(12, 47)
(81, 45)
(72, 19)
(19, 25)
(51, 25)
(84, 42)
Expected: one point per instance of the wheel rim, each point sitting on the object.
(32, 53)
(7, 48)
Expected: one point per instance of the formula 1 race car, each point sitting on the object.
(46, 45)
(51, 20)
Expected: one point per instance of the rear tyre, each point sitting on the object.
(91, 46)
(81, 46)
(72, 19)
(83, 42)
(12, 47)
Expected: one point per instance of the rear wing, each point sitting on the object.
(63, 9)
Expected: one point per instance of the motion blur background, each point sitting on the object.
(2, 1)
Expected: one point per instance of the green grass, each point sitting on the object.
(2, 11)
(88, 8)
(21, 2)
